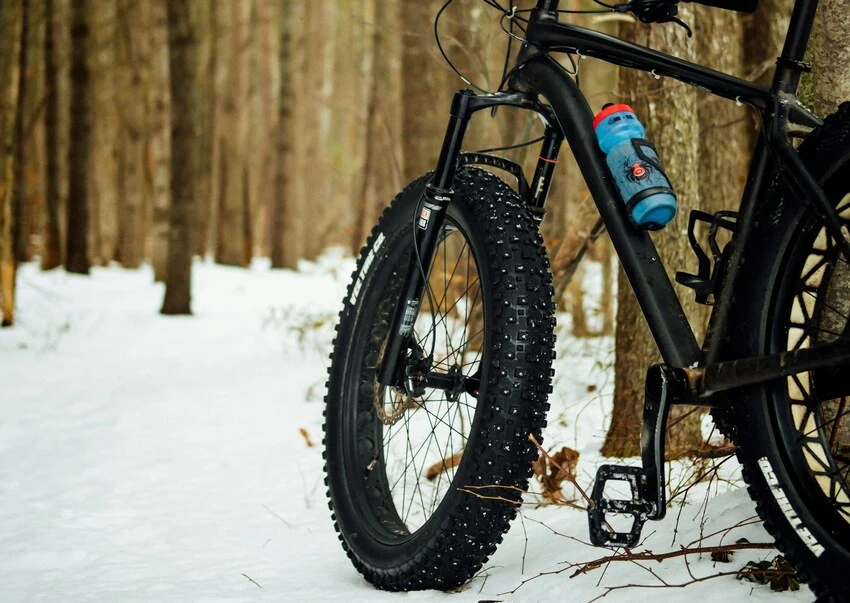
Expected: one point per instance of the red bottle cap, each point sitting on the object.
(610, 110)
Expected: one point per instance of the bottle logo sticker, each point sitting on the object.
(638, 172)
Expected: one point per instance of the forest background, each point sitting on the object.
(137, 131)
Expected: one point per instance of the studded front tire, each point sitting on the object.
(422, 486)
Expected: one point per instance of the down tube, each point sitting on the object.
(637, 253)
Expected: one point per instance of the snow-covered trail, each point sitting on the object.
(150, 458)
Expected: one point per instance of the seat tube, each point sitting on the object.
(428, 222)
(789, 65)
(548, 5)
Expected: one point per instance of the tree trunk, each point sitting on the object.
(20, 225)
(425, 78)
(106, 143)
(79, 150)
(207, 56)
(723, 126)
(183, 67)
(131, 59)
(51, 256)
(318, 179)
(11, 18)
(668, 111)
(281, 255)
(763, 37)
(383, 153)
(231, 241)
(160, 140)
(829, 53)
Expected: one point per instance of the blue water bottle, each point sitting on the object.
(635, 166)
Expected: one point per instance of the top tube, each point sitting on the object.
(549, 35)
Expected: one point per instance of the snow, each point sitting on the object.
(151, 458)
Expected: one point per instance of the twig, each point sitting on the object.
(650, 556)
(571, 478)
(610, 589)
(540, 503)
(743, 523)
(286, 523)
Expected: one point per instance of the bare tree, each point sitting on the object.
(51, 256)
(183, 83)
(159, 149)
(382, 177)
(20, 226)
(11, 20)
(233, 244)
(79, 150)
(205, 19)
(425, 77)
(132, 60)
(281, 253)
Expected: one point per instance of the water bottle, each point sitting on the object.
(635, 166)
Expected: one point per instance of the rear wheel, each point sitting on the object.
(794, 434)
(423, 479)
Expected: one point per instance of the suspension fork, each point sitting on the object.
(426, 231)
(431, 212)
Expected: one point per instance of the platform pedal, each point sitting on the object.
(639, 506)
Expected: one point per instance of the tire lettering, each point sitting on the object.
(785, 505)
(355, 291)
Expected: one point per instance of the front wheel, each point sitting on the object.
(423, 484)
(794, 434)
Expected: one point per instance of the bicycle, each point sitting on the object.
(442, 364)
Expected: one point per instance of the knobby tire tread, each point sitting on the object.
(827, 154)
(515, 403)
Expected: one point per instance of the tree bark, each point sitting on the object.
(425, 78)
(383, 153)
(829, 52)
(723, 126)
(231, 240)
(132, 58)
(160, 140)
(106, 144)
(764, 33)
(207, 57)
(79, 150)
(668, 111)
(51, 256)
(11, 17)
(183, 67)
(20, 224)
(283, 149)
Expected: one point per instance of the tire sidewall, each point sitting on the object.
(784, 497)
(388, 564)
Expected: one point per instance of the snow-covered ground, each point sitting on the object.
(151, 458)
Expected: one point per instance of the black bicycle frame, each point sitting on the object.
(536, 74)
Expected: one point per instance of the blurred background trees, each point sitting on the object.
(290, 125)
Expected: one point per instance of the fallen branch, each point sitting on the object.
(589, 566)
